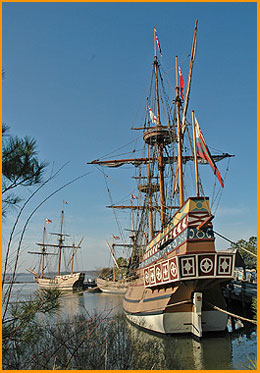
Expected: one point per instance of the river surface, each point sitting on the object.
(231, 351)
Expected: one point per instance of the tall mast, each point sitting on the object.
(60, 238)
(114, 260)
(72, 259)
(178, 104)
(149, 181)
(156, 81)
(195, 155)
(43, 249)
(160, 145)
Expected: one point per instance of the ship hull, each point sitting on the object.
(176, 309)
(179, 322)
(64, 282)
(181, 275)
(116, 287)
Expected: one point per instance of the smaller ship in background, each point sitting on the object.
(68, 281)
(116, 281)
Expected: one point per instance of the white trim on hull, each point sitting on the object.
(180, 322)
(65, 282)
(113, 291)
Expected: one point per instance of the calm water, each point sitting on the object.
(231, 351)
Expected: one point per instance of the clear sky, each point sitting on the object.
(75, 79)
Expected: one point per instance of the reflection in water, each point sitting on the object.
(85, 302)
(184, 352)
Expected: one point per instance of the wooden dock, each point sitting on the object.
(240, 291)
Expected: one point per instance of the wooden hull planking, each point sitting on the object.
(117, 287)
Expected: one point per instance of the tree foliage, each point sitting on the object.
(250, 245)
(23, 328)
(20, 167)
(123, 267)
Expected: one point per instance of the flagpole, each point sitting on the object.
(195, 155)
(178, 103)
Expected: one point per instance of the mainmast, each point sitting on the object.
(159, 144)
(60, 238)
(178, 104)
(43, 249)
(148, 182)
(195, 155)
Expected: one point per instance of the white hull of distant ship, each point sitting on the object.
(179, 276)
(70, 281)
(64, 282)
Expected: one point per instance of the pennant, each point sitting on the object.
(181, 83)
(152, 116)
(116, 237)
(48, 221)
(157, 41)
(204, 153)
(65, 202)
(133, 196)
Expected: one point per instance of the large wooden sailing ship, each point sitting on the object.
(178, 276)
(68, 281)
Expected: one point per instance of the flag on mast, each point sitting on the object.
(157, 41)
(48, 221)
(181, 83)
(116, 237)
(204, 153)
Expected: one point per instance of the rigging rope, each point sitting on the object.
(221, 190)
(230, 314)
(121, 147)
(110, 197)
(234, 243)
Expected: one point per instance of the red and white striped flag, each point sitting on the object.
(204, 153)
(133, 196)
(48, 221)
(116, 237)
(181, 82)
(152, 116)
(158, 43)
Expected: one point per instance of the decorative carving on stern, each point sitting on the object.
(189, 267)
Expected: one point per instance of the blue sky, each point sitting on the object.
(75, 81)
